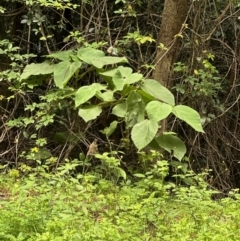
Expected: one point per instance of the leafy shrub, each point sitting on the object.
(140, 103)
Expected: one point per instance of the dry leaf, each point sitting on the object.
(93, 148)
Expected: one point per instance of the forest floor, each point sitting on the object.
(58, 207)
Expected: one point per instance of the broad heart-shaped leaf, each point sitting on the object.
(85, 93)
(146, 97)
(120, 110)
(118, 81)
(109, 72)
(169, 142)
(106, 78)
(158, 111)
(89, 54)
(61, 55)
(189, 115)
(90, 112)
(135, 109)
(38, 69)
(124, 76)
(105, 96)
(143, 133)
(109, 130)
(106, 60)
(63, 72)
(157, 90)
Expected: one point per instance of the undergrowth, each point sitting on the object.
(36, 205)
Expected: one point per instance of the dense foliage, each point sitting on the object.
(119, 120)
(66, 99)
(80, 78)
(58, 207)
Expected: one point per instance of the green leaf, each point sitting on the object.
(157, 90)
(109, 130)
(154, 145)
(124, 76)
(90, 112)
(99, 63)
(122, 173)
(189, 115)
(98, 86)
(120, 110)
(158, 111)
(85, 93)
(109, 72)
(180, 165)
(64, 136)
(62, 55)
(105, 96)
(63, 72)
(170, 143)
(35, 80)
(88, 55)
(127, 90)
(139, 175)
(143, 133)
(135, 109)
(118, 81)
(38, 69)
(133, 78)
(146, 97)
(43, 153)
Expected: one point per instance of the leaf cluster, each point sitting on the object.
(140, 103)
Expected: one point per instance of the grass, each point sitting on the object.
(55, 207)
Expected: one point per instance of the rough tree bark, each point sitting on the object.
(173, 16)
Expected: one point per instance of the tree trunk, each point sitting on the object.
(173, 16)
